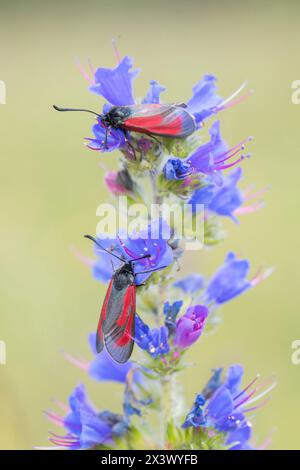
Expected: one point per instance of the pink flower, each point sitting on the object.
(119, 182)
(189, 327)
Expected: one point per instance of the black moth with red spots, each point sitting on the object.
(162, 120)
(116, 326)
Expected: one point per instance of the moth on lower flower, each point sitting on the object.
(116, 327)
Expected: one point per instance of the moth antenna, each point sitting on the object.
(104, 249)
(142, 257)
(57, 108)
(151, 270)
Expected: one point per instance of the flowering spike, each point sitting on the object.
(160, 142)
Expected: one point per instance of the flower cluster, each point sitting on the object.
(170, 315)
(223, 407)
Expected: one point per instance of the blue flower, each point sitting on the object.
(102, 268)
(135, 398)
(103, 368)
(115, 139)
(176, 169)
(196, 416)
(152, 241)
(225, 407)
(170, 313)
(223, 198)
(204, 101)
(205, 159)
(154, 341)
(227, 198)
(115, 85)
(153, 94)
(213, 384)
(215, 155)
(234, 378)
(86, 427)
(129, 409)
(190, 284)
(201, 197)
(240, 437)
(229, 281)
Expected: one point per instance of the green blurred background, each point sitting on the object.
(51, 186)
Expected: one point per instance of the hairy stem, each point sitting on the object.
(168, 406)
(166, 382)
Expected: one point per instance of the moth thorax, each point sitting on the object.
(123, 278)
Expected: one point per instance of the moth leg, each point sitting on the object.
(181, 105)
(129, 144)
(160, 144)
(155, 138)
(177, 265)
(106, 137)
(112, 266)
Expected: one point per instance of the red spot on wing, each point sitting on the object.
(127, 316)
(103, 313)
(156, 124)
(128, 305)
(127, 335)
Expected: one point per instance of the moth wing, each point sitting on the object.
(161, 120)
(103, 316)
(119, 330)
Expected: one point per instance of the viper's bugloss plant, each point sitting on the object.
(172, 314)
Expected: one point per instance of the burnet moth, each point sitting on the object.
(163, 120)
(116, 326)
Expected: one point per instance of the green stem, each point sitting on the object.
(166, 407)
(166, 382)
(156, 198)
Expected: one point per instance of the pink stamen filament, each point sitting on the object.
(249, 209)
(234, 94)
(249, 196)
(240, 144)
(64, 440)
(246, 388)
(84, 73)
(83, 365)
(261, 276)
(55, 418)
(248, 190)
(92, 70)
(229, 156)
(133, 255)
(64, 443)
(84, 259)
(62, 406)
(236, 101)
(266, 442)
(98, 149)
(267, 390)
(116, 50)
(247, 397)
(230, 165)
(254, 408)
